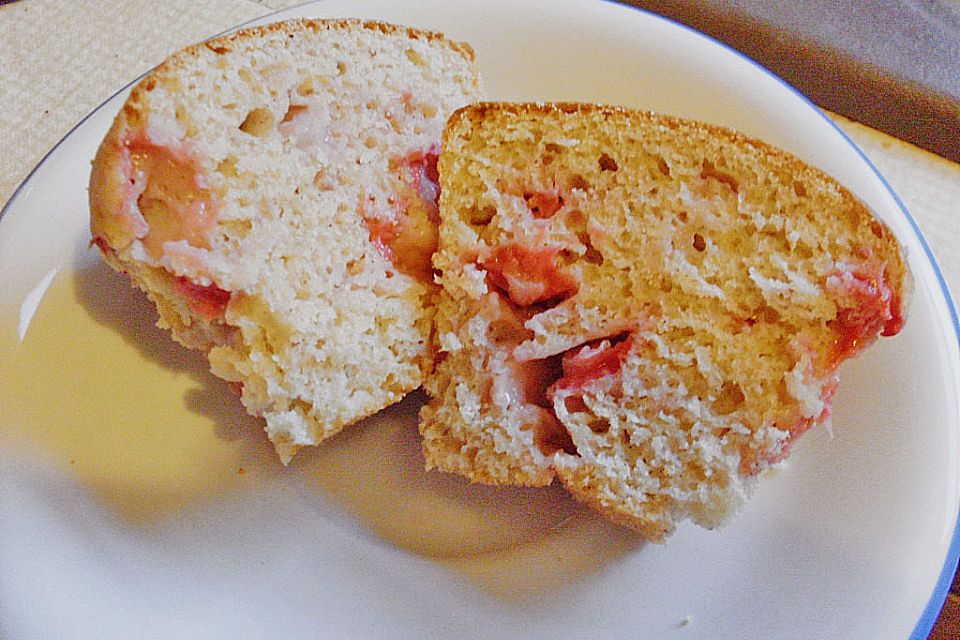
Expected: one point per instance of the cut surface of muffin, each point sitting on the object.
(651, 310)
(274, 192)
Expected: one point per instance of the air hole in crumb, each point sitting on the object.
(607, 163)
(662, 166)
(341, 67)
(576, 218)
(599, 425)
(729, 399)
(258, 122)
(709, 171)
(591, 254)
(322, 181)
(698, 242)
(355, 267)
(551, 437)
(390, 382)
(414, 56)
(575, 404)
(481, 216)
(306, 88)
(190, 129)
(238, 228)
(228, 166)
(292, 112)
(507, 331)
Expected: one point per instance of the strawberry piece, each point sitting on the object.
(866, 307)
(893, 326)
(550, 436)
(383, 233)
(209, 302)
(168, 186)
(529, 275)
(593, 361)
(102, 244)
(405, 231)
(408, 241)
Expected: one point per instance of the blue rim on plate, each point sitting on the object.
(934, 605)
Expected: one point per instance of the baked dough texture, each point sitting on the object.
(274, 191)
(649, 309)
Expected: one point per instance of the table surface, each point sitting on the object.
(60, 60)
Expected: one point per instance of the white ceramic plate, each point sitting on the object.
(137, 500)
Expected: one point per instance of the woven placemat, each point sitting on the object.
(60, 60)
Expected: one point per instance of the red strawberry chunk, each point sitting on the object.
(593, 361)
(209, 302)
(171, 193)
(893, 326)
(866, 307)
(102, 244)
(383, 233)
(529, 275)
(404, 230)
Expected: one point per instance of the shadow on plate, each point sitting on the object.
(512, 542)
(113, 302)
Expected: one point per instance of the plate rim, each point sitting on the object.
(941, 588)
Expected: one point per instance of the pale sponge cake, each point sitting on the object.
(651, 310)
(274, 193)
